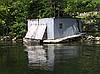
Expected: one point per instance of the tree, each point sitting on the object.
(12, 12)
(39, 9)
(73, 8)
(45, 8)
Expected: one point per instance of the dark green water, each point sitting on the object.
(75, 58)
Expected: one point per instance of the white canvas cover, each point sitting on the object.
(36, 32)
(40, 31)
(31, 32)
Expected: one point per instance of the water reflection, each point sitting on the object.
(89, 60)
(12, 59)
(40, 57)
(72, 58)
(44, 57)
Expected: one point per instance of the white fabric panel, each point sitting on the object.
(36, 32)
(40, 31)
(31, 32)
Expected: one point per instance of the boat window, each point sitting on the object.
(61, 25)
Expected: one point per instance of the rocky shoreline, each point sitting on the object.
(8, 38)
(85, 38)
(90, 38)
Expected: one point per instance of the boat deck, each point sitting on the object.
(62, 39)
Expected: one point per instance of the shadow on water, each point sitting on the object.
(73, 58)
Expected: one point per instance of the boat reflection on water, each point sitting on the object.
(40, 57)
(44, 57)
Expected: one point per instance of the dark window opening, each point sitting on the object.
(60, 25)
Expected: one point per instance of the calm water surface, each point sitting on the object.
(73, 58)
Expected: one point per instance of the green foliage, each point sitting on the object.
(18, 30)
(91, 23)
(13, 13)
(39, 9)
(45, 8)
(73, 8)
(97, 1)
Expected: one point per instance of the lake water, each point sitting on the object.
(72, 58)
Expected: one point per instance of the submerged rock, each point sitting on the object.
(14, 39)
(5, 38)
(90, 38)
(97, 38)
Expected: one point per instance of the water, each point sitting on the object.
(73, 58)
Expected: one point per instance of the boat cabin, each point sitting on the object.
(52, 28)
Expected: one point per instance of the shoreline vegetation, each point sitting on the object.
(14, 15)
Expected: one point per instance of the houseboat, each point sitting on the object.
(53, 30)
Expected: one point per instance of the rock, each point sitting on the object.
(17, 39)
(6, 38)
(14, 39)
(97, 38)
(90, 38)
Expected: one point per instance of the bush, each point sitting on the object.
(18, 30)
